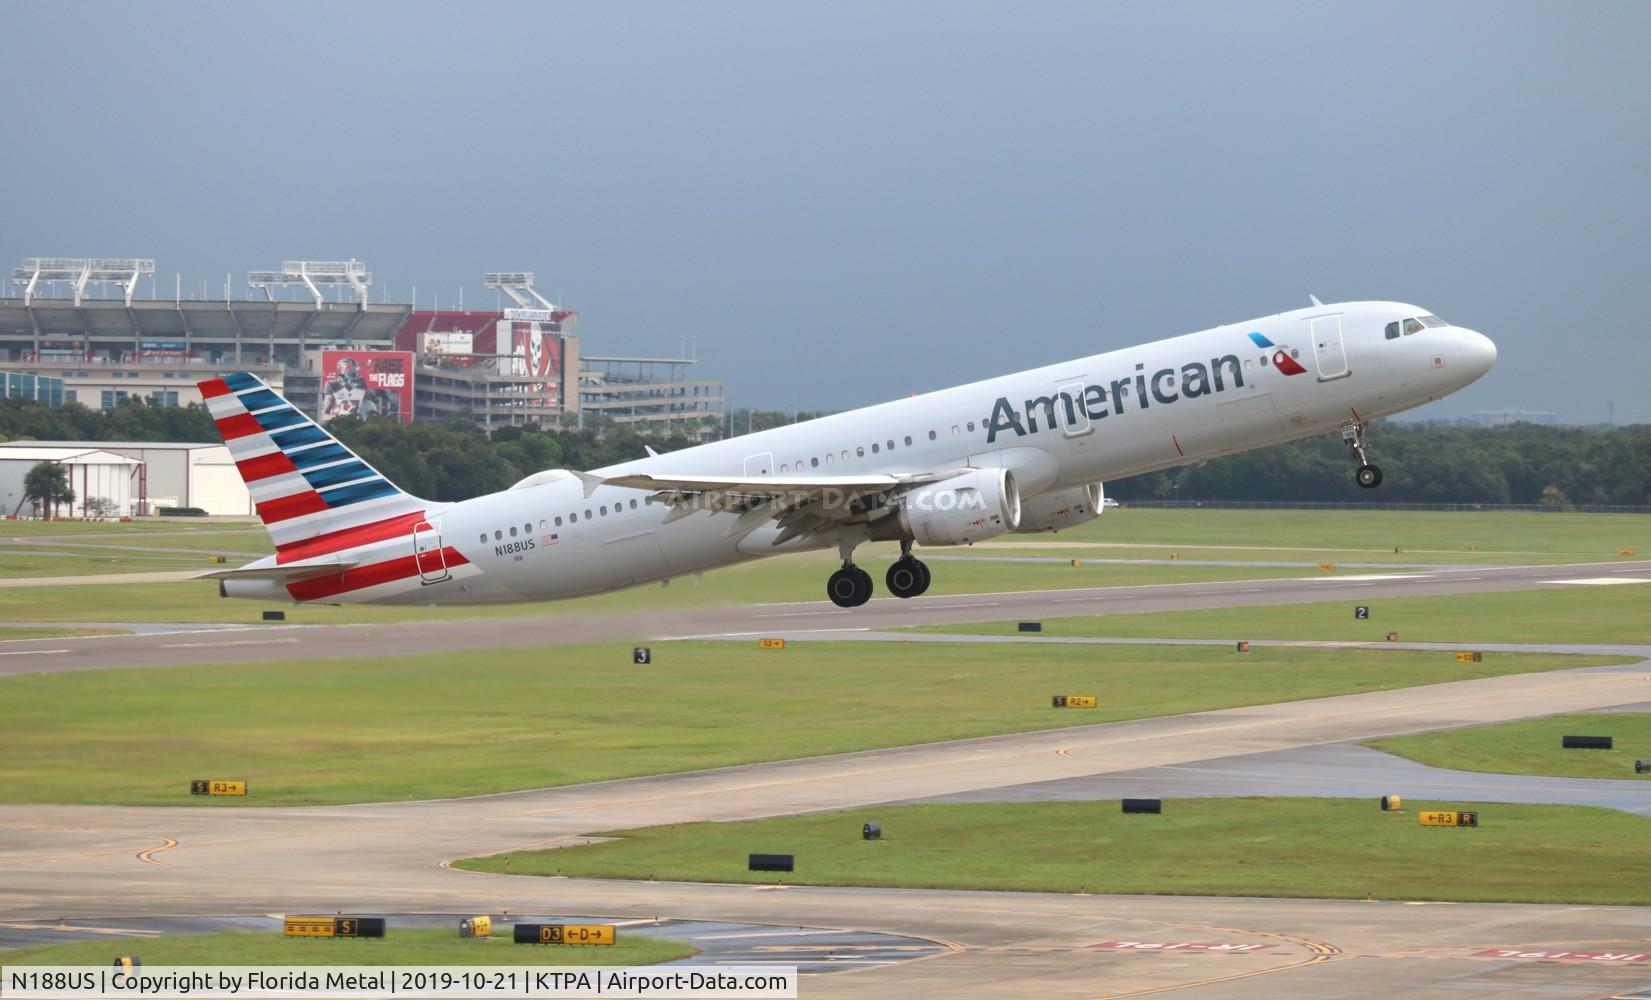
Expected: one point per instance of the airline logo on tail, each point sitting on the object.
(1281, 357)
(319, 500)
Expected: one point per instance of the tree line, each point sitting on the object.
(1422, 462)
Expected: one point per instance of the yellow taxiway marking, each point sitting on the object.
(148, 856)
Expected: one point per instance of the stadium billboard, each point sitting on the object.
(367, 384)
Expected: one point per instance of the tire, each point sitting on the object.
(923, 585)
(1368, 476)
(845, 590)
(864, 586)
(904, 579)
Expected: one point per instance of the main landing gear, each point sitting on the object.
(908, 577)
(1367, 476)
(851, 586)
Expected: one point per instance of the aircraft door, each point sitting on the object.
(759, 465)
(1328, 350)
(428, 554)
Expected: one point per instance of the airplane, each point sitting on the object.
(1027, 452)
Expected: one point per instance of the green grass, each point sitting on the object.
(1565, 614)
(330, 731)
(1462, 536)
(398, 947)
(1325, 848)
(1533, 746)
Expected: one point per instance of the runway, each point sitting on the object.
(101, 863)
(278, 642)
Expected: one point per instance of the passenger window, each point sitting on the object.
(784, 468)
(484, 538)
(908, 440)
(498, 535)
(512, 531)
(829, 458)
(971, 427)
(633, 503)
(1411, 326)
(1263, 361)
(573, 518)
(814, 462)
(527, 529)
(845, 456)
(859, 453)
(588, 514)
(891, 443)
(932, 435)
(1393, 330)
(603, 510)
(956, 430)
(558, 520)
(874, 447)
(544, 525)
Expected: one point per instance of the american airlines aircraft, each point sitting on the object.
(1026, 452)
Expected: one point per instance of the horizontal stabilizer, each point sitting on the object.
(287, 573)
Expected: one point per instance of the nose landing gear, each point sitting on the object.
(1368, 476)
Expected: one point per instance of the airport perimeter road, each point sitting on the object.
(262, 643)
(90, 862)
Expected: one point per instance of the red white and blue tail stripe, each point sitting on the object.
(304, 483)
(343, 533)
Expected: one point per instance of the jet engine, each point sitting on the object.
(1059, 509)
(976, 505)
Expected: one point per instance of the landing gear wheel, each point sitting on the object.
(849, 587)
(907, 577)
(1368, 476)
(863, 580)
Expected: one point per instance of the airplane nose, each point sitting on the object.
(1478, 352)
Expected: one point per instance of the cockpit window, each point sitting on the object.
(1432, 322)
(1411, 326)
(1393, 330)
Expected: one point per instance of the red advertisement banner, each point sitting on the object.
(367, 384)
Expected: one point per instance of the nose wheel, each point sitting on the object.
(1367, 476)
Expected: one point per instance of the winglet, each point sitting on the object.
(589, 481)
(650, 450)
(1314, 299)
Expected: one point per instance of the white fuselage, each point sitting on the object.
(1098, 418)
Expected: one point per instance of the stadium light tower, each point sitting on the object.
(122, 271)
(518, 285)
(311, 273)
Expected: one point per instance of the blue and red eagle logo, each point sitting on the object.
(1281, 357)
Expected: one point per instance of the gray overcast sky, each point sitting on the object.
(846, 202)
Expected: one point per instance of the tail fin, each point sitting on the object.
(303, 481)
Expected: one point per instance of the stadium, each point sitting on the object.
(308, 323)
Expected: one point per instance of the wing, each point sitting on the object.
(801, 504)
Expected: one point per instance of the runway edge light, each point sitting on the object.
(1392, 803)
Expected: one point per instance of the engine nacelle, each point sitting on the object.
(1066, 508)
(977, 505)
